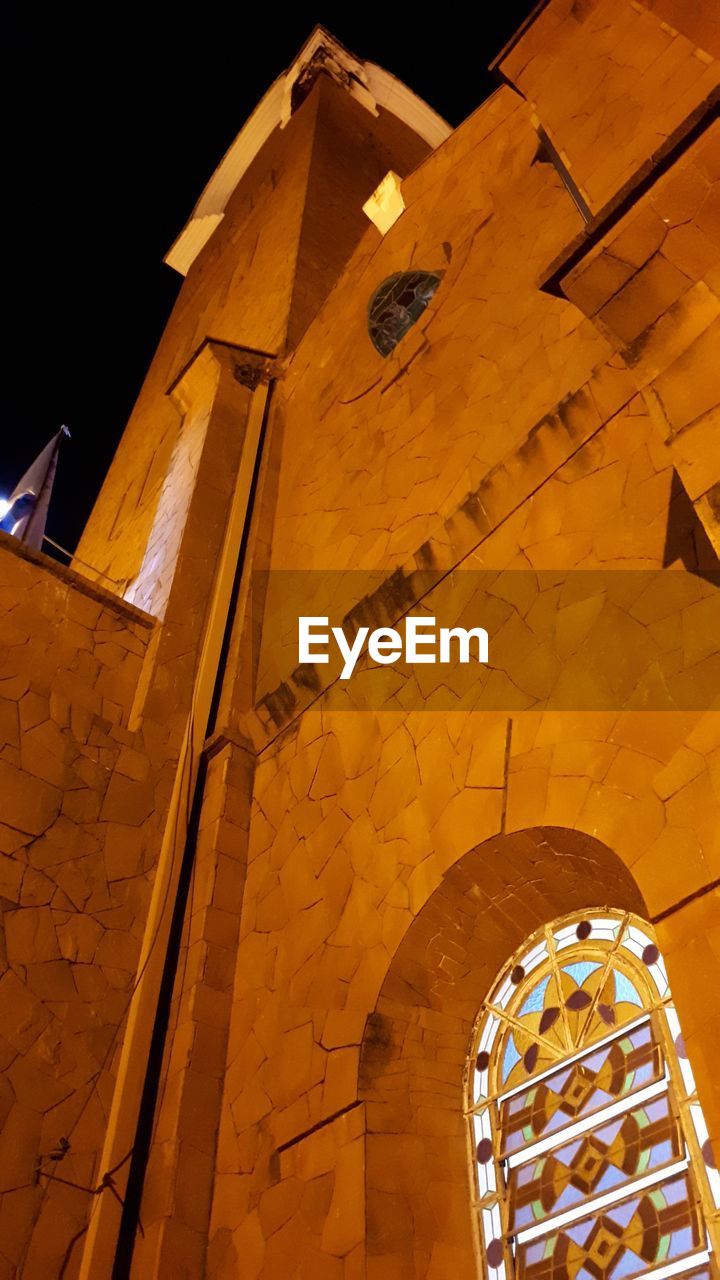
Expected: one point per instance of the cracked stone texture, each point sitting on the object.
(360, 879)
(80, 802)
(611, 81)
(700, 22)
(95, 700)
(277, 245)
(406, 434)
(652, 285)
(355, 828)
(415, 1047)
(503, 432)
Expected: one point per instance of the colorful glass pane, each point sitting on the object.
(511, 1057)
(626, 1239)
(484, 1052)
(396, 304)
(681, 1057)
(706, 1151)
(607, 998)
(534, 1003)
(625, 991)
(486, 1171)
(596, 1161)
(538, 1037)
(640, 945)
(581, 1005)
(589, 1141)
(581, 1088)
(601, 929)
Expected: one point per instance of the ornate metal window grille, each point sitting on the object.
(396, 304)
(590, 1154)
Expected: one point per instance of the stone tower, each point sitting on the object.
(251, 911)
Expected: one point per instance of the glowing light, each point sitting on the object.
(4, 507)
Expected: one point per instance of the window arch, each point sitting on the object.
(590, 1155)
(396, 304)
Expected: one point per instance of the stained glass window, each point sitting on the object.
(590, 1155)
(396, 304)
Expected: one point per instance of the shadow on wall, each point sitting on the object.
(417, 1040)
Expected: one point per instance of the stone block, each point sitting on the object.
(639, 304)
(127, 801)
(29, 803)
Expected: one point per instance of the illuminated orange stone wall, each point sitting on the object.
(82, 800)
(360, 877)
(396, 860)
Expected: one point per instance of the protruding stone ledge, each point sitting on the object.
(12, 546)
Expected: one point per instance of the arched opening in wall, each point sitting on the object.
(589, 1151)
(397, 304)
(414, 1060)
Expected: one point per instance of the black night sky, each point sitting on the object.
(115, 117)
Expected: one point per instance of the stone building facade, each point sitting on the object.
(250, 912)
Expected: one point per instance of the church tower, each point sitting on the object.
(264, 247)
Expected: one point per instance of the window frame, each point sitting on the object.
(406, 317)
(634, 951)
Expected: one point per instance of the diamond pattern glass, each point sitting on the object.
(591, 1157)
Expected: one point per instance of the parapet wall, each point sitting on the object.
(81, 799)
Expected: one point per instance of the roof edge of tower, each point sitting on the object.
(370, 84)
(518, 34)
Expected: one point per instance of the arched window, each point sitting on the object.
(590, 1154)
(396, 304)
